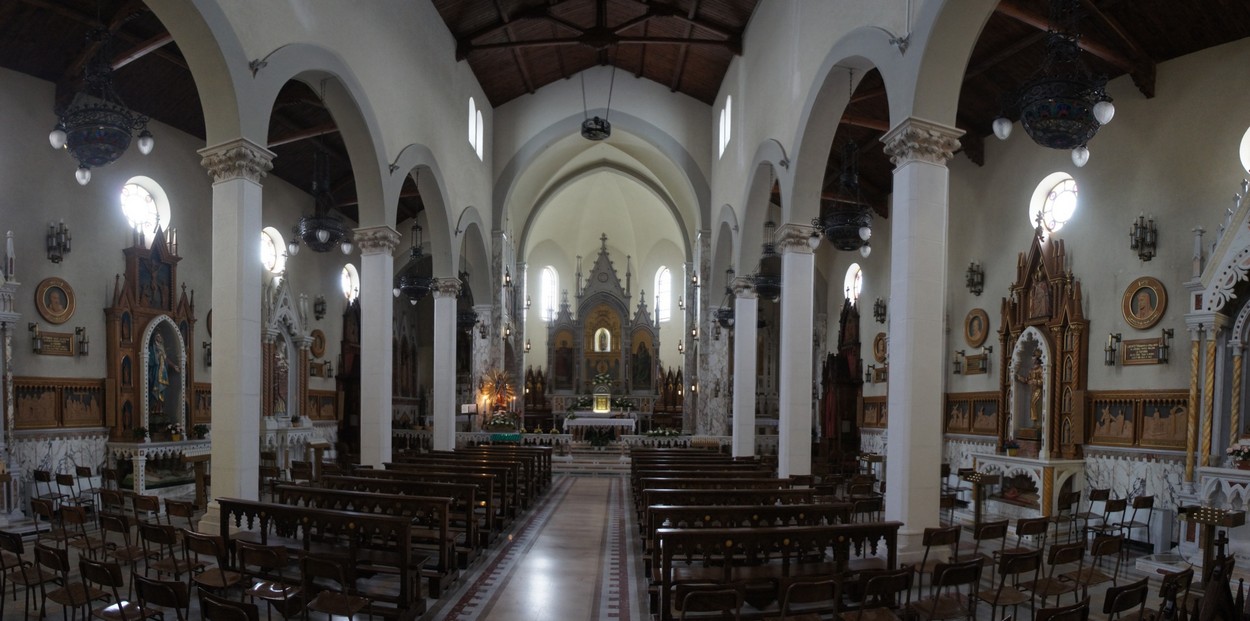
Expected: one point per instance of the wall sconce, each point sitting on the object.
(681, 304)
(36, 339)
(878, 310)
(481, 330)
(1142, 237)
(528, 302)
(959, 362)
(975, 278)
(507, 331)
(84, 341)
(681, 347)
(319, 307)
(329, 369)
(694, 389)
(1113, 343)
(58, 241)
(527, 346)
(694, 332)
(507, 277)
(868, 374)
(694, 279)
(1165, 345)
(716, 332)
(208, 353)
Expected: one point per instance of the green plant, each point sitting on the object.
(200, 431)
(140, 433)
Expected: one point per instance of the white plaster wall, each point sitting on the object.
(404, 59)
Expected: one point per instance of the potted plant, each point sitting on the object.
(1241, 455)
(1011, 446)
(295, 420)
(141, 434)
(200, 431)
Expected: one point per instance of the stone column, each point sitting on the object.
(745, 335)
(1191, 422)
(483, 358)
(714, 380)
(690, 360)
(377, 309)
(445, 292)
(919, 150)
(237, 168)
(794, 441)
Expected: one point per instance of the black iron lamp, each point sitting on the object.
(1063, 105)
(1143, 237)
(36, 339)
(878, 310)
(767, 278)
(58, 242)
(725, 314)
(96, 127)
(1165, 345)
(975, 278)
(959, 361)
(84, 341)
(1113, 344)
(848, 222)
(322, 230)
(410, 284)
(319, 307)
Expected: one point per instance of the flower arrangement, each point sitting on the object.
(581, 403)
(175, 430)
(501, 419)
(623, 404)
(1239, 452)
(664, 432)
(603, 378)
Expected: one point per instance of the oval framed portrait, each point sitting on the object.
(1145, 301)
(879, 347)
(976, 327)
(318, 346)
(54, 299)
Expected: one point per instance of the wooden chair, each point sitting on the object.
(1011, 566)
(159, 541)
(207, 575)
(146, 508)
(22, 572)
(160, 596)
(984, 535)
(263, 566)
(1103, 546)
(696, 601)
(44, 479)
(56, 533)
(937, 537)
(67, 486)
(945, 601)
(83, 473)
(1065, 512)
(109, 575)
(867, 509)
(1173, 589)
(182, 510)
(1053, 584)
(217, 608)
(810, 598)
(1113, 506)
(340, 599)
(111, 479)
(69, 594)
(1121, 599)
(1076, 612)
(1035, 530)
(124, 552)
(885, 594)
(74, 519)
(1095, 495)
(112, 501)
(1140, 503)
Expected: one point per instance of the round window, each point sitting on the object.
(1054, 202)
(349, 280)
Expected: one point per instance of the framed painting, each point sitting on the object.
(54, 299)
(1113, 422)
(879, 347)
(1163, 423)
(318, 346)
(976, 327)
(1144, 303)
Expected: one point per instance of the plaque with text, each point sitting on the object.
(57, 344)
(1141, 351)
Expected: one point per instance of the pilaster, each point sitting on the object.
(446, 290)
(794, 442)
(377, 275)
(746, 307)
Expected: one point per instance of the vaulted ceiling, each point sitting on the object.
(515, 47)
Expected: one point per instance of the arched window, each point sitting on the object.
(481, 132)
(726, 126)
(476, 128)
(349, 280)
(853, 283)
(663, 294)
(272, 250)
(144, 204)
(1055, 199)
(550, 292)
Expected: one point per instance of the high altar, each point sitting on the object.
(1043, 345)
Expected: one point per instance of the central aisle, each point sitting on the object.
(568, 558)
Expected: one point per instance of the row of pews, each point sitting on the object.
(406, 531)
(725, 535)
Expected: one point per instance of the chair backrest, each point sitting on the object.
(204, 544)
(1178, 584)
(1126, 597)
(83, 472)
(1143, 502)
(112, 500)
(1096, 495)
(115, 524)
(1016, 563)
(811, 596)
(145, 504)
(940, 536)
(102, 573)
(158, 537)
(712, 598)
(168, 593)
(12, 542)
(1032, 527)
(42, 476)
(320, 569)
(43, 508)
(264, 558)
(75, 516)
(1065, 553)
(180, 509)
(1106, 545)
(55, 559)
(1068, 501)
(1114, 505)
(67, 481)
(958, 573)
(990, 530)
(882, 587)
(1076, 612)
(214, 608)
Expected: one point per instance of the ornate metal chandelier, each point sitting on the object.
(322, 230)
(725, 314)
(410, 284)
(96, 127)
(1064, 104)
(848, 223)
(767, 276)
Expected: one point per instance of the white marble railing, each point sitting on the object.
(54, 450)
(873, 440)
(1129, 473)
(960, 451)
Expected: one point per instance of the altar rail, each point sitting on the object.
(420, 439)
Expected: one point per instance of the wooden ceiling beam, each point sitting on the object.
(142, 49)
(680, 66)
(1144, 74)
(298, 135)
(854, 120)
(353, 203)
(516, 53)
(972, 143)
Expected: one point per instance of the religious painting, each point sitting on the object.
(36, 406)
(1163, 423)
(874, 412)
(562, 360)
(154, 284)
(54, 299)
(318, 346)
(976, 327)
(879, 347)
(985, 416)
(1144, 302)
(957, 417)
(1113, 422)
(603, 341)
(642, 366)
(81, 406)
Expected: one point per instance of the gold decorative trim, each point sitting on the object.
(54, 299)
(1144, 303)
(976, 331)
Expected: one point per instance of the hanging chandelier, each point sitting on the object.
(1064, 104)
(96, 127)
(848, 223)
(322, 230)
(725, 314)
(595, 128)
(409, 284)
(767, 276)
(466, 317)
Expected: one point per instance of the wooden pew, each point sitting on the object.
(461, 515)
(516, 473)
(495, 483)
(722, 497)
(707, 483)
(543, 453)
(764, 556)
(529, 466)
(429, 516)
(378, 546)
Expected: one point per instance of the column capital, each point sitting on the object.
(794, 238)
(743, 287)
(917, 140)
(237, 159)
(376, 239)
(446, 287)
